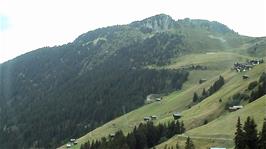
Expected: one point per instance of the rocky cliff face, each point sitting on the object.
(156, 23)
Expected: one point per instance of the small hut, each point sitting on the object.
(147, 118)
(154, 117)
(68, 145)
(202, 80)
(111, 135)
(245, 77)
(159, 99)
(177, 115)
(234, 108)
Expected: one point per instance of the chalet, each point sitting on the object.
(153, 97)
(202, 80)
(111, 135)
(159, 99)
(75, 143)
(177, 115)
(147, 118)
(234, 108)
(154, 117)
(245, 77)
(68, 145)
(72, 140)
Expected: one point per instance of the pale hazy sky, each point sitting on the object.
(26, 25)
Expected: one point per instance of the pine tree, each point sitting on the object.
(262, 137)
(177, 145)
(182, 127)
(189, 144)
(204, 93)
(165, 146)
(177, 127)
(239, 135)
(221, 81)
(195, 97)
(251, 134)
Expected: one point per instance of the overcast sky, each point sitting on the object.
(26, 25)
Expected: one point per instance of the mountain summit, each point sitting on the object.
(160, 22)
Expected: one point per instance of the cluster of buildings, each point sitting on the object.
(149, 118)
(241, 67)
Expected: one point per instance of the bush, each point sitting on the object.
(252, 85)
(263, 77)
(205, 122)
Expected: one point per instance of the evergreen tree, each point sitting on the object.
(217, 85)
(262, 137)
(177, 145)
(204, 93)
(177, 127)
(239, 135)
(189, 144)
(251, 134)
(141, 140)
(195, 97)
(131, 140)
(165, 146)
(182, 127)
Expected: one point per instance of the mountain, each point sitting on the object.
(52, 94)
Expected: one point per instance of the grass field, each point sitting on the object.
(222, 128)
(210, 109)
(221, 123)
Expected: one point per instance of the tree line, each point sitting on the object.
(258, 88)
(214, 88)
(146, 135)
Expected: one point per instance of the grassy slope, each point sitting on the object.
(222, 129)
(221, 123)
(177, 101)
